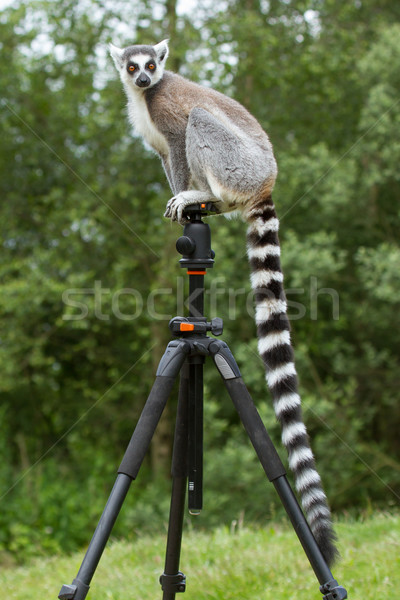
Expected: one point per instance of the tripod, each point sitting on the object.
(186, 355)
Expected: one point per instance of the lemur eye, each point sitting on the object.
(151, 66)
(131, 68)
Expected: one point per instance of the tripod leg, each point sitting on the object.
(172, 580)
(195, 435)
(273, 466)
(168, 369)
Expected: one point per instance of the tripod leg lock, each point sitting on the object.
(333, 591)
(173, 583)
(224, 360)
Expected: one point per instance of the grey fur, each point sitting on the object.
(213, 149)
(230, 156)
(134, 50)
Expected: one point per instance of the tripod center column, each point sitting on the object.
(197, 256)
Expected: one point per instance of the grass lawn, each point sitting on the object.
(251, 563)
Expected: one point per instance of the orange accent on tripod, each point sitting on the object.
(186, 327)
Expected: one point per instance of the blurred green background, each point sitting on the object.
(89, 275)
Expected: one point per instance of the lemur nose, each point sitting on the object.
(143, 80)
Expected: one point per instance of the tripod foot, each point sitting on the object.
(333, 591)
(67, 592)
(76, 591)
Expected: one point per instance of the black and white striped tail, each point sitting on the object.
(273, 331)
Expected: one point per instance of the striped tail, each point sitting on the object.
(274, 345)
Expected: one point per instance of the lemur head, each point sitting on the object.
(140, 67)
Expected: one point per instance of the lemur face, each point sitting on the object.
(142, 69)
(140, 66)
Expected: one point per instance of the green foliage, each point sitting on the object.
(88, 267)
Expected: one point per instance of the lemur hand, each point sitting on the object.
(176, 206)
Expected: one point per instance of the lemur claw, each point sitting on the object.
(175, 207)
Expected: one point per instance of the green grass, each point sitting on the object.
(261, 564)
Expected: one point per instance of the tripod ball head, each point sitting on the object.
(195, 245)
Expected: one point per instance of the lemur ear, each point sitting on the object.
(162, 50)
(116, 54)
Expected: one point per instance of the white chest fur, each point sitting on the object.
(143, 125)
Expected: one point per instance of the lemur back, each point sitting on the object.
(214, 150)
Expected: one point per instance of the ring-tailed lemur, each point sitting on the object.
(212, 149)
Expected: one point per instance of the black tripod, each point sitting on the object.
(186, 355)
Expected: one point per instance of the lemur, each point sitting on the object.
(213, 150)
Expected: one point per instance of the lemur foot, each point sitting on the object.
(176, 206)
